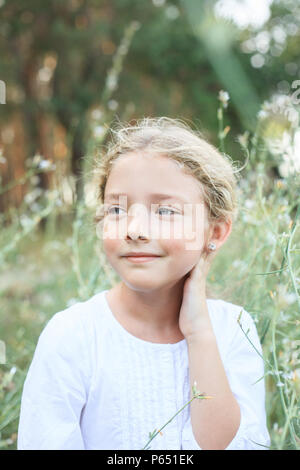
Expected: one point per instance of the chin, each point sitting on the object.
(141, 286)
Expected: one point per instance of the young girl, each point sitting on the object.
(108, 371)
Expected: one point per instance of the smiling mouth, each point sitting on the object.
(141, 259)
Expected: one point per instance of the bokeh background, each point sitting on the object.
(68, 71)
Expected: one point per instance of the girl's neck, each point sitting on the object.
(152, 316)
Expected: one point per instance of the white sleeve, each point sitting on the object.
(243, 367)
(54, 391)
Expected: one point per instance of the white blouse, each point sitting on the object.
(93, 385)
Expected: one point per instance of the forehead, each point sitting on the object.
(152, 176)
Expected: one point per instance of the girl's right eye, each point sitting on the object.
(109, 211)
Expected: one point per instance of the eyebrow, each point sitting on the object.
(160, 196)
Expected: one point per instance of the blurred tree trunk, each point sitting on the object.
(33, 122)
(13, 142)
(78, 149)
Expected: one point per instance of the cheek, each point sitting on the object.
(181, 259)
(111, 233)
(181, 264)
(110, 239)
(110, 246)
(172, 246)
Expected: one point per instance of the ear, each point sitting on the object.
(219, 232)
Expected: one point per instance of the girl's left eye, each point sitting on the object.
(167, 209)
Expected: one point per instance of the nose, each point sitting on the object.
(138, 224)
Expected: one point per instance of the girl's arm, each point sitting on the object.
(55, 387)
(215, 422)
(235, 417)
(220, 423)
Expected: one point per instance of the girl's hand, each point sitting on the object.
(193, 316)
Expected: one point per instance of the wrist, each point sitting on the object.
(203, 332)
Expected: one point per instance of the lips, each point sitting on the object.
(143, 255)
(141, 259)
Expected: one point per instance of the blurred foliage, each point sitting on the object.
(55, 59)
(86, 63)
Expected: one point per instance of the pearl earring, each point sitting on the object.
(211, 246)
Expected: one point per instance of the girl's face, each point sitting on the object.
(152, 206)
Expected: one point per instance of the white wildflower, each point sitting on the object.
(97, 114)
(172, 12)
(45, 164)
(262, 114)
(249, 203)
(288, 375)
(243, 139)
(288, 149)
(99, 131)
(33, 195)
(25, 221)
(158, 3)
(34, 179)
(290, 298)
(111, 82)
(112, 105)
(224, 97)
(37, 159)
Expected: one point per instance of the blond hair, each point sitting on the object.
(192, 152)
(189, 148)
